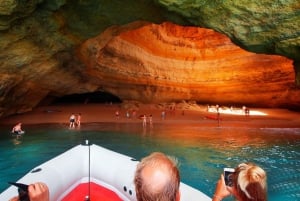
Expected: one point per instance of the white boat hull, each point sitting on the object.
(107, 168)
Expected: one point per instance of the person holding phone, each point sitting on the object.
(247, 182)
(36, 192)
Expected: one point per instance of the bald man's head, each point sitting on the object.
(157, 178)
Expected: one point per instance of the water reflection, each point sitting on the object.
(17, 139)
(202, 152)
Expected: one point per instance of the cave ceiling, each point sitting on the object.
(40, 41)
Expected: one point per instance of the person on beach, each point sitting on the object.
(247, 112)
(163, 115)
(150, 120)
(117, 114)
(17, 129)
(217, 108)
(36, 192)
(157, 178)
(134, 114)
(127, 114)
(249, 184)
(72, 121)
(78, 120)
(144, 119)
(218, 118)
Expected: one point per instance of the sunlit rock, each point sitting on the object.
(264, 26)
(167, 62)
(38, 39)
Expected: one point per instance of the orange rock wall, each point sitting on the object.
(167, 62)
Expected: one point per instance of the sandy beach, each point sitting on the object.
(182, 114)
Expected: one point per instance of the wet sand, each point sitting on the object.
(183, 114)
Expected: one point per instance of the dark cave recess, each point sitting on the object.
(95, 97)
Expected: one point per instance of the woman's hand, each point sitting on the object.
(222, 190)
(38, 192)
(16, 198)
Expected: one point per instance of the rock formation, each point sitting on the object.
(167, 62)
(39, 38)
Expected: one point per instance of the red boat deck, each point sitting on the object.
(97, 193)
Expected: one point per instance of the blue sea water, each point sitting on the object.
(202, 152)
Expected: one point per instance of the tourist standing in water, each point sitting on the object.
(78, 120)
(163, 115)
(117, 114)
(72, 121)
(150, 120)
(144, 120)
(17, 129)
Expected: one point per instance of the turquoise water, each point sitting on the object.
(202, 152)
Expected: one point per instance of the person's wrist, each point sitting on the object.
(16, 198)
(217, 197)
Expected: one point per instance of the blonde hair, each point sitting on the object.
(146, 190)
(251, 182)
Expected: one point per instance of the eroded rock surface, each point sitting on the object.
(38, 39)
(167, 62)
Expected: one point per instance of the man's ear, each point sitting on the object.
(178, 196)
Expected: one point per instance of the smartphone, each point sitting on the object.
(228, 176)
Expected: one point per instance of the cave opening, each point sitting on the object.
(94, 97)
